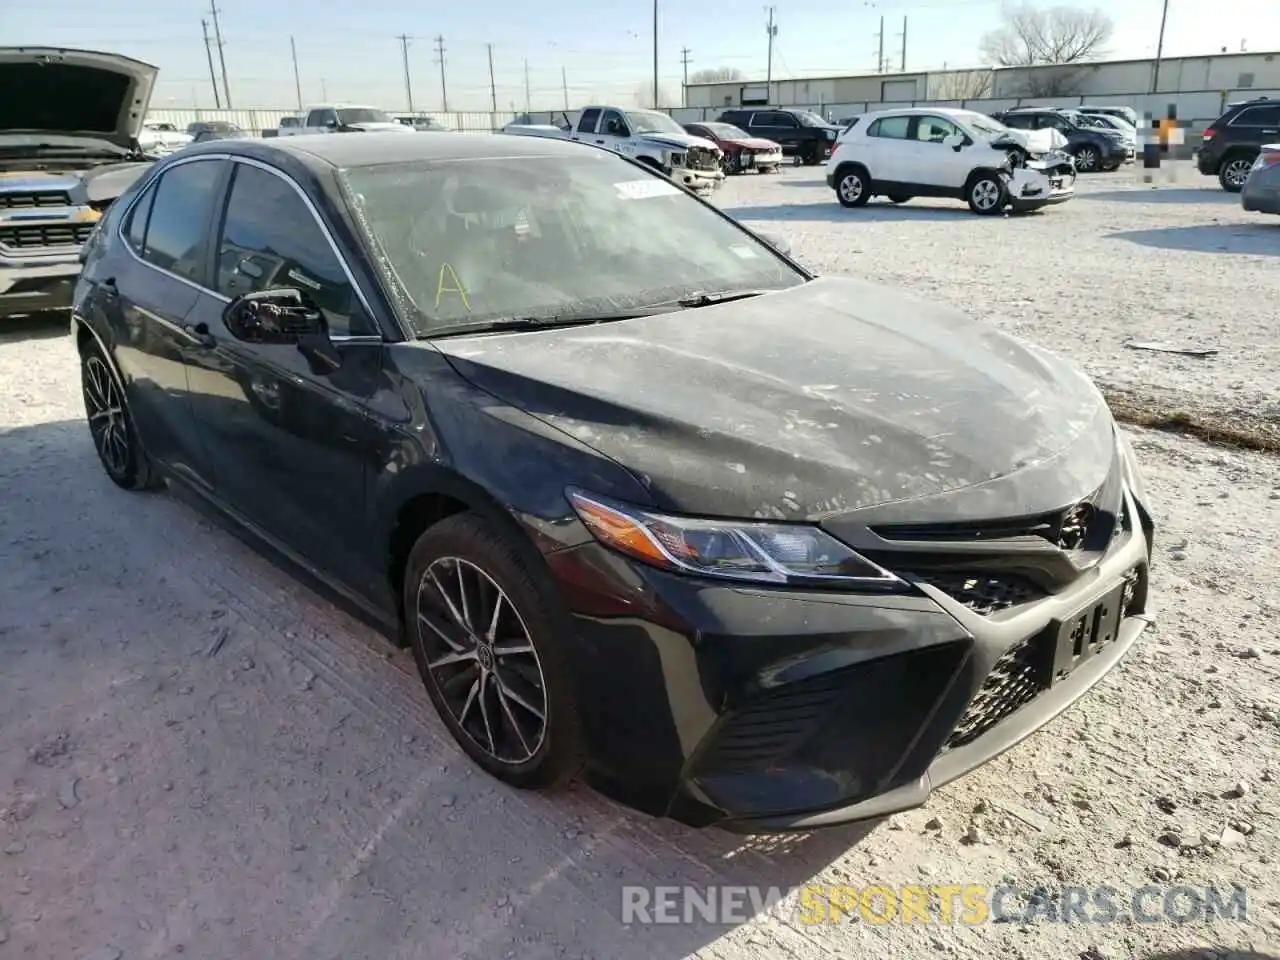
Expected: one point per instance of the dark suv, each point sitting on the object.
(1233, 141)
(1094, 148)
(801, 133)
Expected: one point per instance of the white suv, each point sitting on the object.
(925, 152)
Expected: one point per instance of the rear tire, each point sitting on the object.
(1234, 171)
(853, 187)
(111, 426)
(488, 638)
(1088, 159)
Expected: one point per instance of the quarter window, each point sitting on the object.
(1257, 117)
(179, 218)
(135, 229)
(271, 240)
(891, 128)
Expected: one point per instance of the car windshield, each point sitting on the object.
(651, 121)
(726, 131)
(348, 115)
(555, 237)
(810, 119)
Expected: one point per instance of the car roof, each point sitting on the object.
(916, 112)
(371, 149)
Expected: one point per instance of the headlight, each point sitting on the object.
(780, 553)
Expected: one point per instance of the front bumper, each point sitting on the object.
(700, 181)
(766, 710)
(27, 287)
(1031, 189)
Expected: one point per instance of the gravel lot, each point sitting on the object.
(199, 754)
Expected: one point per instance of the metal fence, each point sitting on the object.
(259, 119)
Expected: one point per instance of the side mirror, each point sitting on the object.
(280, 316)
(955, 141)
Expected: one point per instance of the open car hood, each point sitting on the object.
(74, 93)
(1033, 141)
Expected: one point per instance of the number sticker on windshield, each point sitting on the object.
(644, 189)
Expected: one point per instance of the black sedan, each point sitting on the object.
(651, 505)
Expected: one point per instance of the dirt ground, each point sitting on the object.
(202, 756)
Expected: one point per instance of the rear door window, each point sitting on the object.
(1267, 116)
(179, 219)
(890, 128)
(588, 122)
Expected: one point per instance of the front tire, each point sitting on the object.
(987, 194)
(489, 643)
(1087, 159)
(115, 438)
(853, 187)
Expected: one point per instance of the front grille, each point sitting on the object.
(37, 236)
(984, 593)
(33, 199)
(700, 158)
(1017, 678)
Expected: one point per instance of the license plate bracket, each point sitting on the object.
(1086, 632)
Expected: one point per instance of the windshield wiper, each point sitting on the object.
(506, 324)
(703, 298)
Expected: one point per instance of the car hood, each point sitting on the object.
(752, 143)
(1033, 141)
(833, 396)
(678, 141)
(97, 185)
(75, 93)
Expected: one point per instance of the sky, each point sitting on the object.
(602, 52)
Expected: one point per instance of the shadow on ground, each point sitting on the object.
(1159, 194)
(1251, 239)
(290, 783)
(36, 326)
(1210, 953)
(875, 211)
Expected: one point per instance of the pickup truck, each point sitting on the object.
(648, 136)
(331, 118)
(285, 124)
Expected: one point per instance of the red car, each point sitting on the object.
(742, 152)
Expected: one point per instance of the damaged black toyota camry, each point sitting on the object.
(652, 505)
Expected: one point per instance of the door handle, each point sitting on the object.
(599, 141)
(109, 288)
(200, 333)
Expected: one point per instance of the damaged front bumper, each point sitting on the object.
(699, 181)
(1042, 183)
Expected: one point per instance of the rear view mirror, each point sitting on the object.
(955, 141)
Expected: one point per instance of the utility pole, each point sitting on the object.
(564, 83)
(404, 39)
(1155, 74)
(655, 54)
(880, 43)
(527, 107)
(444, 93)
(903, 35)
(208, 52)
(222, 59)
(297, 80)
(772, 31)
(324, 90)
(493, 89)
(684, 61)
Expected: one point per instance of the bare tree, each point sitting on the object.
(1032, 36)
(961, 85)
(717, 75)
(666, 98)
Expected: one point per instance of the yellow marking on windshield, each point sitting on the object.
(457, 287)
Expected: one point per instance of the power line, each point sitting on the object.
(208, 52)
(222, 59)
(404, 39)
(444, 93)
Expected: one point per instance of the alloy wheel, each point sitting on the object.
(482, 660)
(1236, 172)
(105, 409)
(986, 194)
(1086, 159)
(850, 187)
